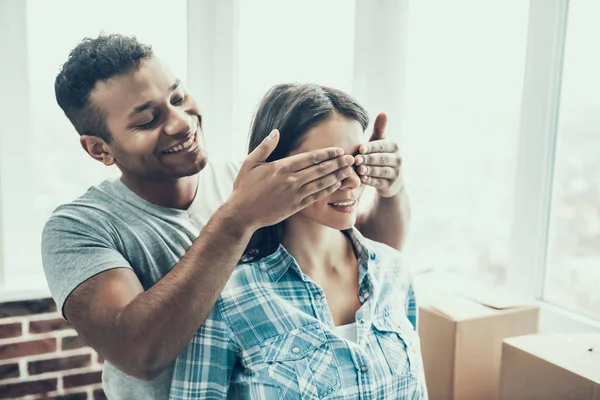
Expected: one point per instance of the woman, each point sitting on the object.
(315, 310)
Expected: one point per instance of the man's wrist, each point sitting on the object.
(233, 221)
(400, 193)
(398, 201)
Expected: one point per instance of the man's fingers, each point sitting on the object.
(384, 159)
(378, 172)
(314, 194)
(379, 146)
(378, 183)
(264, 150)
(325, 168)
(326, 181)
(379, 127)
(299, 162)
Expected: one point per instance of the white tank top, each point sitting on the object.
(347, 332)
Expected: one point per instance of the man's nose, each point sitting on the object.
(179, 122)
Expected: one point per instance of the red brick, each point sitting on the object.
(84, 379)
(22, 349)
(59, 364)
(99, 394)
(25, 388)
(10, 330)
(72, 342)
(9, 371)
(27, 307)
(48, 325)
(70, 396)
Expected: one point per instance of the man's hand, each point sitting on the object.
(379, 162)
(265, 193)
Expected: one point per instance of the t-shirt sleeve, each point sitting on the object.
(74, 249)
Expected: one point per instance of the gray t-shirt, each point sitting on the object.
(111, 227)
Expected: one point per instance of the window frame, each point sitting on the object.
(535, 164)
(14, 79)
(212, 46)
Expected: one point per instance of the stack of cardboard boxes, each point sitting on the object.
(463, 327)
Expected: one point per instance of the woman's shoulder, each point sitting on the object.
(389, 264)
(374, 249)
(246, 278)
(385, 256)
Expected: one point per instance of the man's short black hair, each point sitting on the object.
(92, 61)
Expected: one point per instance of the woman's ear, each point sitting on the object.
(97, 148)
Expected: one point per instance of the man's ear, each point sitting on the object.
(97, 148)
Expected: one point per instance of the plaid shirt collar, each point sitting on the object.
(277, 264)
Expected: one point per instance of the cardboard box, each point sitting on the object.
(462, 326)
(551, 367)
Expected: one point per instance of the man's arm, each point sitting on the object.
(379, 164)
(142, 332)
(387, 220)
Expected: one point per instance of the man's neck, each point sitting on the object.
(316, 248)
(176, 193)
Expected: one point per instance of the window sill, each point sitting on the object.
(17, 291)
(556, 319)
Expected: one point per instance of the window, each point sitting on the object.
(499, 142)
(464, 75)
(295, 46)
(573, 257)
(52, 167)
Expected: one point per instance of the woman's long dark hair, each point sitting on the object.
(293, 109)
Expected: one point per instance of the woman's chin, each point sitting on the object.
(343, 225)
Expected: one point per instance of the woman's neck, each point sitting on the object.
(317, 248)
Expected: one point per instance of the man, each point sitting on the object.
(136, 264)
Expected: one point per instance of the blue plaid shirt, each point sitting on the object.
(271, 336)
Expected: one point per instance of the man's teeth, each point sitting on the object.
(346, 203)
(182, 146)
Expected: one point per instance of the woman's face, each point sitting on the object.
(337, 210)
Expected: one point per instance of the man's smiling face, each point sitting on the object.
(155, 125)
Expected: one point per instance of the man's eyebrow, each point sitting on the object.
(140, 108)
(147, 105)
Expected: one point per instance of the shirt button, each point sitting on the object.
(318, 297)
(361, 321)
(296, 350)
(364, 368)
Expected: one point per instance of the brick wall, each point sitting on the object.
(41, 356)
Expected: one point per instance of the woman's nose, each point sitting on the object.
(351, 182)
